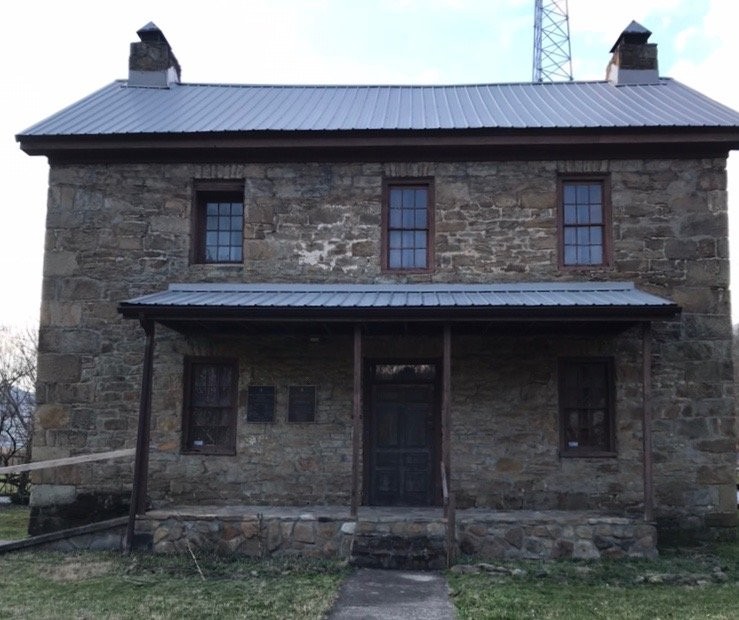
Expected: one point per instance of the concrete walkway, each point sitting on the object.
(372, 594)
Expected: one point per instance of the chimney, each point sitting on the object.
(152, 63)
(634, 60)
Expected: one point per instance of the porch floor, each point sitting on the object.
(330, 531)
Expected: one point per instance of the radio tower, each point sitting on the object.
(552, 53)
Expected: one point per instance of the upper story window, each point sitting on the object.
(408, 225)
(210, 402)
(218, 225)
(586, 406)
(584, 217)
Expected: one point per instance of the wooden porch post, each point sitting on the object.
(141, 460)
(446, 457)
(647, 421)
(357, 418)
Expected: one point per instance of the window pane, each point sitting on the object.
(407, 239)
(408, 218)
(394, 259)
(395, 239)
(570, 235)
(420, 240)
(235, 239)
(211, 238)
(583, 235)
(421, 218)
(596, 235)
(596, 214)
(420, 258)
(569, 194)
(224, 208)
(223, 238)
(237, 209)
(583, 255)
(212, 223)
(396, 218)
(583, 214)
(408, 197)
(421, 198)
(223, 254)
(570, 214)
(596, 195)
(224, 222)
(408, 258)
(596, 255)
(570, 255)
(396, 198)
(212, 208)
(582, 194)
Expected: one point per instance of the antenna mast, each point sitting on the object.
(552, 52)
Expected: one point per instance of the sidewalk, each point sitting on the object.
(372, 594)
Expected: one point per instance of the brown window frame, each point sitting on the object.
(609, 450)
(187, 384)
(388, 184)
(606, 225)
(206, 191)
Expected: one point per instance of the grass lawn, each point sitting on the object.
(109, 585)
(696, 582)
(13, 521)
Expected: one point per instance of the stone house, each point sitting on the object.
(511, 295)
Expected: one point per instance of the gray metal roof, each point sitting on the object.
(401, 296)
(196, 108)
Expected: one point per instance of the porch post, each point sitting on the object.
(446, 456)
(141, 459)
(357, 418)
(647, 421)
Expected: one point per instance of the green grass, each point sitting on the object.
(108, 585)
(13, 522)
(698, 582)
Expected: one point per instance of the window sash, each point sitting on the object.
(209, 406)
(586, 403)
(584, 222)
(407, 226)
(219, 226)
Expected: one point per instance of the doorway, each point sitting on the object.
(403, 433)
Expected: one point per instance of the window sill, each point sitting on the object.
(587, 454)
(209, 452)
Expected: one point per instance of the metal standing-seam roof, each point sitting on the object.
(118, 109)
(355, 300)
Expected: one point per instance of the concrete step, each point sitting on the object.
(404, 545)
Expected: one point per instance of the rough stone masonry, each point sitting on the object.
(115, 231)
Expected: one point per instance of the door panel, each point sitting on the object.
(402, 444)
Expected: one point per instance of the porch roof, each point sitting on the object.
(612, 301)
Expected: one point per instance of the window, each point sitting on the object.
(219, 223)
(586, 396)
(209, 416)
(407, 225)
(584, 217)
(301, 406)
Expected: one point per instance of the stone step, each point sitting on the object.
(400, 545)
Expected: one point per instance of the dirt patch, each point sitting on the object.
(76, 569)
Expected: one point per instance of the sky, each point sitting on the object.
(54, 53)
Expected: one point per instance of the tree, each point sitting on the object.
(18, 351)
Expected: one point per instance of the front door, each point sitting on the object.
(402, 434)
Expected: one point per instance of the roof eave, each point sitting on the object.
(722, 139)
(220, 314)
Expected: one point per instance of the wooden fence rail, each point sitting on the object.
(71, 460)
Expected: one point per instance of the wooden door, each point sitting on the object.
(402, 444)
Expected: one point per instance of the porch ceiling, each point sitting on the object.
(183, 305)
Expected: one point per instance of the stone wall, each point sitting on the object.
(118, 231)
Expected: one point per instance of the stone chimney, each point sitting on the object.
(634, 60)
(152, 63)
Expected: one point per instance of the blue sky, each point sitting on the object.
(54, 53)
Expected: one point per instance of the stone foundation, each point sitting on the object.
(396, 538)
